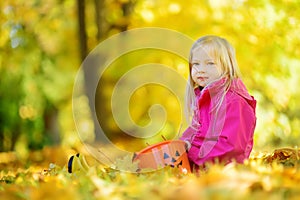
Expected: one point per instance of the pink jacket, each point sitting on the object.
(226, 134)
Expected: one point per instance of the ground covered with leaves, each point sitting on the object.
(267, 175)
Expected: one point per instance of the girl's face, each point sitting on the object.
(205, 69)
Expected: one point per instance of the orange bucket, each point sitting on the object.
(167, 153)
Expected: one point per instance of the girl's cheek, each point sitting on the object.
(193, 73)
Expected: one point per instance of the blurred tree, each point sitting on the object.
(104, 26)
(36, 72)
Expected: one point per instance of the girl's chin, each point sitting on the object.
(202, 84)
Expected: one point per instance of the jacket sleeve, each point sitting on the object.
(235, 138)
(188, 134)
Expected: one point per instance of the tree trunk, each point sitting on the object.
(81, 28)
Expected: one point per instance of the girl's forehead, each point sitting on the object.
(203, 51)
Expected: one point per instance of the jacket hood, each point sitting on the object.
(238, 87)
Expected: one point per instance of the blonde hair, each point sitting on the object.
(224, 54)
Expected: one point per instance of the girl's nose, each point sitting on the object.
(200, 70)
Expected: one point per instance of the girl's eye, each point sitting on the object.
(195, 63)
(211, 63)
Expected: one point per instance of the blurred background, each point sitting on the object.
(43, 43)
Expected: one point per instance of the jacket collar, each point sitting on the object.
(212, 88)
(218, 86)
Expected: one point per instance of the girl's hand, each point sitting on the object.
(187, 145)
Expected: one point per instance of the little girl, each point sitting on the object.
(220, 110)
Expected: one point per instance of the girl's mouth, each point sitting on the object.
(202, 78)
